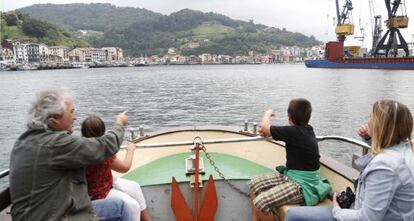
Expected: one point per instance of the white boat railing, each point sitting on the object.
(365, 146)
(4, 173)
(215, 141)
(247, 139)
(346, 139)
(232, 140)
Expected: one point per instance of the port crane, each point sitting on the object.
(344, 25)
(394, 24)
(376, 27)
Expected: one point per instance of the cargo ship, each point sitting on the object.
(384, 52)
(334, 58)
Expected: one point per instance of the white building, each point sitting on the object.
(114, 53)
(225, 59)
(98, 55)
(206, 58)
(171, 51)
(37, 53)
(87, 55)
(193, 45)
(155, 59)
(61, 52)
(20, 52)
(316, 52)
(76, 55)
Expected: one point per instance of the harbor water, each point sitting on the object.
(165, 97)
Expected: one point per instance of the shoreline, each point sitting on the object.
(68, 66)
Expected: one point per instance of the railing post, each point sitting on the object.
(254, 128)
(246, 126)
(141, 131)
(133, 136)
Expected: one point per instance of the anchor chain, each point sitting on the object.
(208, 156)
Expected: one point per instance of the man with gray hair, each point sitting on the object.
(47, 179)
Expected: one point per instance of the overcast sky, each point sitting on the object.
(311, 17)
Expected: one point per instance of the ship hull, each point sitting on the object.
(390, 64)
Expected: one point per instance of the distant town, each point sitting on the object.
(16, 55)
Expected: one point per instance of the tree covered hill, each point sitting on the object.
(140, 31)
(94, 16)
(24, 28)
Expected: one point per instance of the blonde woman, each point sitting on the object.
(385, 188)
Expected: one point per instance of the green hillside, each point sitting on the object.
(94, 16)
(21, 27)
(209, 29)
(140, 31)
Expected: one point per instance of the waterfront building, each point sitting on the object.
(88, 55)
(20, 52)
(155, 59)
(33, 53)
(214, 59)
(37, 53)
(194, 59)
(225, 59)
(292, 51)
(60, 52)
(316, 52)
(206, 58)
(113, 53)
(44, 53)
(275, 56)
(243, 60)
(177, 59)
(6, 55)
(182, 59)
(76, 55)
(265, 59)
(98, 55)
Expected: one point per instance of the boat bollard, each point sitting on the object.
(141, 131)
(254, 128)
(133, 136)
(246, 125)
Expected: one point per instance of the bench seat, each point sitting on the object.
(283, 210)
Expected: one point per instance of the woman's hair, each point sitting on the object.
(391, 122)
(47, 104)
(93, 126)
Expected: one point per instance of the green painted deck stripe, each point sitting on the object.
(162, 170)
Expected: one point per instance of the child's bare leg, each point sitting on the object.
(255, 216)
(258, 215)
(145, 215)
(265, 217)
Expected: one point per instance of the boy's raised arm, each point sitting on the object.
(265, 126)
